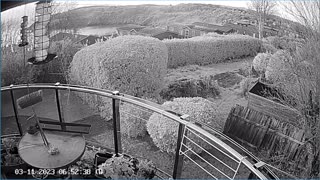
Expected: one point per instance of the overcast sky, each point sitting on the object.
(165, 2)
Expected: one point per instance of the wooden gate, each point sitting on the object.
(260, 131)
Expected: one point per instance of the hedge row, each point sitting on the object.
(132, 65)
(208, 50)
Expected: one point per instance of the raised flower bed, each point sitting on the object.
(259, 99)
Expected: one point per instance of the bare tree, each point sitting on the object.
(263, 9)
(306, 12)
(304, 64)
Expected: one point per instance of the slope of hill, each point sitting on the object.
(152, 15)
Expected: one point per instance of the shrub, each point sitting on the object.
(245, 85)
(205, 50)
(133, 120)
(203, 87)
(164, 131)
(245, 69)
(14, 69)
(65, 50)
(268, 48)
(278, 69)
(134, 65)
(285, 43)
(260, 62)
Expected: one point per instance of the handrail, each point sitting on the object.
(255, 159)
(144, 104)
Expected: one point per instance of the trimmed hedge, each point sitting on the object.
(164, 131)
(204, 50)
(134, 65)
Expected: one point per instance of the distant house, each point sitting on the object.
(158, 33)
(89, 40)
(129, 29)
(247, 29)
(184, 31)
(206, 28)
(244, 22)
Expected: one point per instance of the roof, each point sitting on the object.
(151, 31)
(129, 27)
(243, 21)
(181, 25)
(207, 25)
(211, 27)
(73, 37)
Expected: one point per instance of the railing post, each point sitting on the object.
(116, 123)
(63, 127)
(15, 110)
(178, 162)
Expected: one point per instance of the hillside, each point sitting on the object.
(157, 15)
(153, 15)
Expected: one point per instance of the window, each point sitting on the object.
(187, 33)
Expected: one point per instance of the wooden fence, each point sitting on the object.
(262, 132)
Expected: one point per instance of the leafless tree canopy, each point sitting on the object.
(263, 8)
(306, 12)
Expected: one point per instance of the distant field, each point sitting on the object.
(97, 30)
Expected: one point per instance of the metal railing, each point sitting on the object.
(184, 127)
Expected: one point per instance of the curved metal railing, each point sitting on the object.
(183, 124)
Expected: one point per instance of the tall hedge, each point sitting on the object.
(134, 65)
(210, 49)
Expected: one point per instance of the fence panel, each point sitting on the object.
(259, 131)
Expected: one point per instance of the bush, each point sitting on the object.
(268, 48)
(203, 87)
(134, 65)
(245, 85)
(284, 43)
(164, 131)
(260, 62)
(65, 51)
(279, 68)
(133, 120)
(14, 69)
(205, 50)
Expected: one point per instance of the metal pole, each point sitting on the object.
(15, 110)
(178, 162)
(116, 124)
(63, 127)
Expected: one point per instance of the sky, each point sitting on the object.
(165, 2)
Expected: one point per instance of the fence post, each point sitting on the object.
(63, 127)
(178, 162)
(116, 123)
(15, 110)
